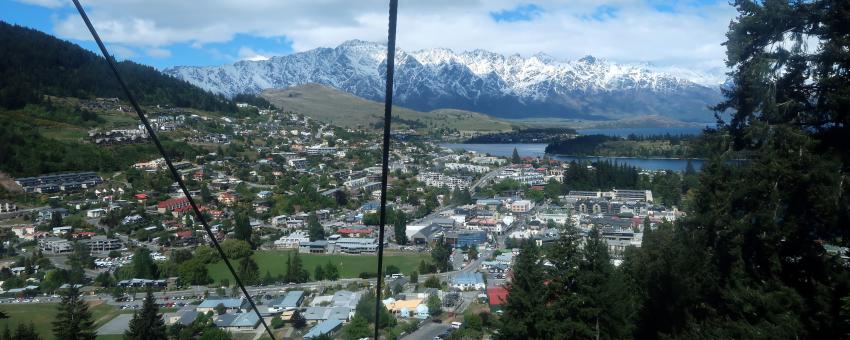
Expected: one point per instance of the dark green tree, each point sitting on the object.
(242, 230)
(143, 265)
(525, 309)
(400, 227)
(315, 229)
(357, 328)
(147, 323)
(25, 332)
(515, 159)
(366, 310)
(331, 272)
(73, 319)
(248, 271)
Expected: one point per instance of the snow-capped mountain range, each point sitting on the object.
(482, 81)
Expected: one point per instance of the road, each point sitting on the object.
(428, 331)
(485, 179)
(22, 212)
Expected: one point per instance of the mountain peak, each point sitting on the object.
(477, 80)
(589, 59)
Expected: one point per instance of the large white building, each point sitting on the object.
(292, 241)
(478, 169)
(434, 179)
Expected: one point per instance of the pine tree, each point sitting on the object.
(73, 320)
(515, 159)
(315, 229)
(26, 332)
(143, 265)
(400, 227)
(525, 307)
(248, 271)
(242, 231)
(147, 323)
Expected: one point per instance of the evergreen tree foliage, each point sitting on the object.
(525, 310)
(400, 227)
(331, 272)
(249, 271)
(143, 265)
(242, 231)
(147, 323)
(295, 271)
(24, 332)
(357, 328)
(63, 69)
(515, 159)
(314, 228)
(73, 319)
(366, 309)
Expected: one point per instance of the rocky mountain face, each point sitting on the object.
(482, 81)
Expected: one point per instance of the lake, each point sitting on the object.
(538, 150)
(624, 132)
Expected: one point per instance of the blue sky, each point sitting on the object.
(165, 33)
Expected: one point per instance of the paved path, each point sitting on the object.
(117, 325)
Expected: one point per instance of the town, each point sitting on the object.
(278, 187)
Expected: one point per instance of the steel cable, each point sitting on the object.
(174, 173)
(388, 107)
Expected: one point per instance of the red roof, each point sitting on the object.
(172, 202)
(354, 230)
(141, 196)
(183, 234)
(497, 295)
(84, 234)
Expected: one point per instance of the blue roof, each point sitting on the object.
(292, 299)
(467, 278)
(324, 327)
(237, 320)
(228, 303)
(489, 201)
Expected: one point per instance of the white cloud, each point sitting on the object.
(157, 52)
(121, 52)
(45, 3)
(691, 37)
(246, 53)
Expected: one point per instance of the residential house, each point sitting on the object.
(467, 280)
(237, 321)
(325, 327)
(230, 305)
(172, 204)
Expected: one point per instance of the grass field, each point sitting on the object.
(350, 265)
(42, 315)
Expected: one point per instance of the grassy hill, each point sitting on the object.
(340, 108)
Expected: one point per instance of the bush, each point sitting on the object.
(277, 322)
(236, 249)
(367, 275)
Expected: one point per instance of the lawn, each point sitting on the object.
(350, 265)
(42, 315)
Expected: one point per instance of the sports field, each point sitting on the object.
(349, 265)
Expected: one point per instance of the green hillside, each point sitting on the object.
(343, 109)
(63, 69)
